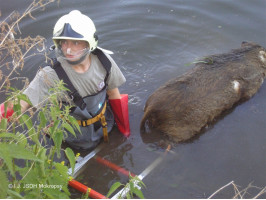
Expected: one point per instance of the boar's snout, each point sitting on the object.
(262, 57)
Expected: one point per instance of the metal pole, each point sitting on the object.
(78, 166)
(123, 192)
(83, 161)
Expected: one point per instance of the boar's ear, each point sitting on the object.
(248, 44)
(244, 43)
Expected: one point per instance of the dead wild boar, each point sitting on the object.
(186, 104)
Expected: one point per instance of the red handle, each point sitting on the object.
(113, 166)
(84, 189)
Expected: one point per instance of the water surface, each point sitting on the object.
(153, 41)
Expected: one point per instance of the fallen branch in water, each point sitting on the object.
(240, 193)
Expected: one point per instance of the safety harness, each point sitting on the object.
(100, 117)
(78, 100)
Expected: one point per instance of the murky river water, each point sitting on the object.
(153, 41)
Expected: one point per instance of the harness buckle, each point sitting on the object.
(83, 106)
(73, 95)
(103, 121)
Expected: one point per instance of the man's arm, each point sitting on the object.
(24, 106)
(9, 111)
(113, 94)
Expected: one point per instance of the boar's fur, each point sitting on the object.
(184, 105)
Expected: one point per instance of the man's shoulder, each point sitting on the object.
(46, 69)
(46, 72)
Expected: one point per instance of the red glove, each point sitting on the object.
(120, 110)
(9, 112)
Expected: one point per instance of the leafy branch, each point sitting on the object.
(133, 187)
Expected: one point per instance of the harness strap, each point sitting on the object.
(73, 93)
(105, 62)
(100, 117)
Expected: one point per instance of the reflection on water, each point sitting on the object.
(152, 42)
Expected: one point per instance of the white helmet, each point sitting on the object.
(75, 26)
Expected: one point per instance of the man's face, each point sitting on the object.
(73, 49)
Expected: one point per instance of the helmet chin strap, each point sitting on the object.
(76, 62)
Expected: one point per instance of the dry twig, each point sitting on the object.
(241, 194)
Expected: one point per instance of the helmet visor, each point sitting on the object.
(70, 55)
(73, 50)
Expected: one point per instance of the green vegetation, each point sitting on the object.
(133, 187)
(28, 166)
